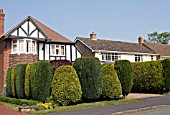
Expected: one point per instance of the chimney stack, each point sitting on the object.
(2, 18)
(140, 40)
(93, 36)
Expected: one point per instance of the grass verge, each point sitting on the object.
(74, 107)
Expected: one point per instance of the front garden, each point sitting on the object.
(52, 85)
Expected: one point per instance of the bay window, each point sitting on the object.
(57, 50)
(24, 46)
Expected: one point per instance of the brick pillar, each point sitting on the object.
(2, 15)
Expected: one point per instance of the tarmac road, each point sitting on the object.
(108, 110)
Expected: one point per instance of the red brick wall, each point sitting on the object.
(22, 59)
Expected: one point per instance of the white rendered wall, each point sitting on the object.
(68, 53)
(40, 51)
(47, 51)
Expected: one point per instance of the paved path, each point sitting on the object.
(4, 110)
(108, 110)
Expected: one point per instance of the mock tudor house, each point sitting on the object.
(30, 41)
(162, 49)
(109, 51)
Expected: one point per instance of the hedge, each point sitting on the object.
(148, 77)
(40, 80)
(111, 84)
(166, 73)
(57, 63)
(13, 82)
(18, 101)
(8, 82)
(89, 73)
(19, 80)
(27, 81)
(66, 86)
(124, 72)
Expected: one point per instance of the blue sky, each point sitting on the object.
(121, 20)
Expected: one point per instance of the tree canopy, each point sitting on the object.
(156, 37)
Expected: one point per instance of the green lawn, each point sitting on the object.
(75, 107)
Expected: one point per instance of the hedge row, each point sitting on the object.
(18, 101)
(148, 77)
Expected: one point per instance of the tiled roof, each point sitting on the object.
(119, 46)
(49, 33)
(161, 49)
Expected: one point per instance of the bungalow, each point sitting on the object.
(162, 49)
(30, 41)
(109, 51)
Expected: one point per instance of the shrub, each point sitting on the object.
(18, 101)
(20, 79)
(57, 63)
(66, 86)
(111, 84)
(13, 82)
(8, 82)
(27, 81)
(4, 91)
(89, 73)
(124, 72)
(40, 80)
(166, 73)
(148, 77)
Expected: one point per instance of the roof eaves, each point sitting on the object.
(124, 52)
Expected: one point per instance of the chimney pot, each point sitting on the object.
(2, 15)
(93, 36)
(140, 40)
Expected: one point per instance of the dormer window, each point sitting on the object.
(26, 46)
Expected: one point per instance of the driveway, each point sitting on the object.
(108, 110)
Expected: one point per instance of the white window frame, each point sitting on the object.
(24, 46)
(59, 48)
(139, 58)
(110, 56)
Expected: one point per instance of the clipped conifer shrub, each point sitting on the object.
(124, 72)
(40, 80)
(27, 80)
(111, 84)
(66, 86)
(148, 77)
(8, 82)
(13, 82)
(166, 73)
(19, 80)
(57, 63)
(89, 72)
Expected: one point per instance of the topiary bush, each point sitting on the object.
(66, 86)
(40, 80)
(19, 80)
(13, 82)
(124, 72)
(111, 84)
(8, 82)
(27, 80)
(89, 73)
(166, 73)
(57, 63)
(148, 77)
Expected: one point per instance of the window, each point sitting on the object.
(110, 56)
(58, 50)
(138, 58)
(24, 46)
